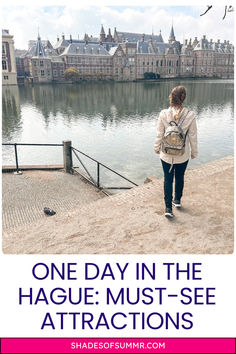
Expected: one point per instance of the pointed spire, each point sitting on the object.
(172, 35)
(160, 37)
(115, 35)
(109, 36)
(102, 35)
(39, 50)
(102, 30)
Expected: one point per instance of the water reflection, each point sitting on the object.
(114, 122)
(119, 101)
(11, 109)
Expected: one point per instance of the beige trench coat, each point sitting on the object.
(188, 124)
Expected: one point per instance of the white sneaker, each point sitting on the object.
(176, 203)
(169, 213)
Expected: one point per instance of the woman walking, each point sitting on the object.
(176, 140)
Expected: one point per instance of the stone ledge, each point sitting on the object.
(11, 168)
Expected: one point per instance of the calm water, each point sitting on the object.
(113, 122)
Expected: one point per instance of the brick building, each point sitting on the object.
(126, 56)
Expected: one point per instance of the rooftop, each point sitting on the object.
(89, 48)
(134, 37)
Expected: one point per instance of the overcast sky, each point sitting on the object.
(23, 21)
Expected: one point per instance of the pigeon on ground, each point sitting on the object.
(49, 211)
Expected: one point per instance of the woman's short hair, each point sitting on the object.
(177, 96)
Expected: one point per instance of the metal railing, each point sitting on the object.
(94, 181)
(97, 182)
(23, 144)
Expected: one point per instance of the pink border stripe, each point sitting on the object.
(117, 345)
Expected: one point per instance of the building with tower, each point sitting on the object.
(127, 56)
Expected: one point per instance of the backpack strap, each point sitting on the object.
(172, 164)
(183, 118)
(185, 136)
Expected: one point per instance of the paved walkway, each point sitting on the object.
(25, 196)
(132, 222)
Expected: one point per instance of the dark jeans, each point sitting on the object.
(178, 171)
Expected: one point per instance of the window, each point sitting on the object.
(62, 73)
(55, 72)
(35, 72)
(41, 63)
(49, 73)
(4, 65)
(3, 49)
(157, 62)
(5, 77)
(42, 72)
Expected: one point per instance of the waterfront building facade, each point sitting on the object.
(214, 59)
(126, 56)
(91, 60)
(40, 64)
(8, 59)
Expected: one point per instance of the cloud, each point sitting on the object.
(23, 21)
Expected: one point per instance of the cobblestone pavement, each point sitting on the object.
(24, 196)
(132, 222)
